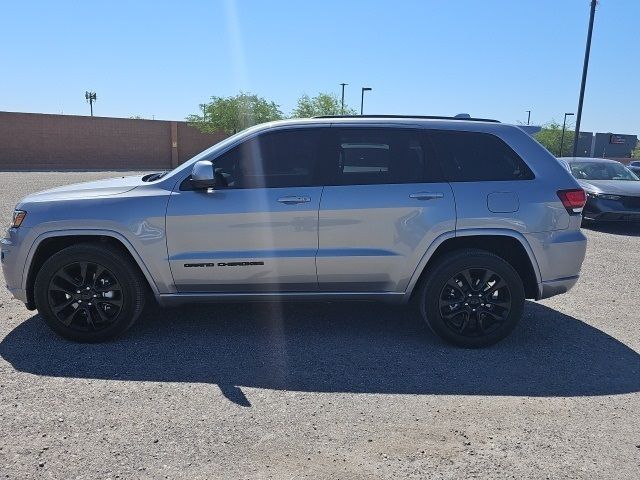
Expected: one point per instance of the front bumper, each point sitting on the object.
(599, 209)
(12, 267)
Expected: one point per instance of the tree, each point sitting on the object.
(551, 135)
(321, 104)
(636, 151)
(232, 114)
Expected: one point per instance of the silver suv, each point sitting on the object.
(466, 218)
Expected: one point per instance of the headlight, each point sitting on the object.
(606, 196)
(18, 218)
(603, 196)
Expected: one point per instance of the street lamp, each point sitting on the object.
(585, 67)
(342, 103)
(528, 117)
(364, 89)
(564, 125)
(90, 97)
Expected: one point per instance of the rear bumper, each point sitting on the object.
(556, 287)
(559, 255)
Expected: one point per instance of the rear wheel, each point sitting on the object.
(89, 293)
(472, 298)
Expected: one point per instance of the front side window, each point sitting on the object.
(285, 158)
(363, 156)
(477, 157)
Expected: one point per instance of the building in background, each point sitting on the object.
(606, 145)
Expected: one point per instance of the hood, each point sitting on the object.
(98, 188)
(616, 187)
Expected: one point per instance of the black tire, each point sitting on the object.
(89, 293)
(488, 310)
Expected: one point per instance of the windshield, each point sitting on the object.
(602, 171)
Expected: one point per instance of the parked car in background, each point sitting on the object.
(634, 166)
(464, 217)
(613, 190)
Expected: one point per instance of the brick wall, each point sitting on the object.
(33, 141)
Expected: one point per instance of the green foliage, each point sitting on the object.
(636, 151)
(232, 114)
(321, 104)
(551, 135)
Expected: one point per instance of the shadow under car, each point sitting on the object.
(340, 347)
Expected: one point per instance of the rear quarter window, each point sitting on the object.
(477, 157)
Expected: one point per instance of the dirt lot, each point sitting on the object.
(329, 391)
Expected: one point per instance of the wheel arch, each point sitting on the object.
(509, 245)
(49, 243)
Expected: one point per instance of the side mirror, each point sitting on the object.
(202, 175)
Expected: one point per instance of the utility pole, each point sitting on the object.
(90, 97)
(585, 67)
(364, 89)
(564, 125)
(342, 102)
(528, 117)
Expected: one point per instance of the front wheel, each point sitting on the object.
(89, 293)
(472, 298)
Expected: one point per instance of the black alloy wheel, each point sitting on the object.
(471, 298)
(89, 292)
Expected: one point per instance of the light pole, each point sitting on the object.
(528, 117)
(90, 97)
(585, 67)
(342, 102)
(564, 125)
(364, 89)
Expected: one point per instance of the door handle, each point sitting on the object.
(292, 199)
(426, 195)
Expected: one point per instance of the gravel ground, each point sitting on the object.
(331, 390)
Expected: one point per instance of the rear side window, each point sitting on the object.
(366, 156)
(477, 157)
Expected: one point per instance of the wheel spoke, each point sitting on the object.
(496, 286)
(83, 273)
(58, 308)
(466, 275)
(68, 319)
(102, 314)
(449, 302)
(465, 324)
(485, 279)
(116, 302)
(67, 278)
(59, 288)
(499, 303)
(99, 271)
(454, 285)
(89, 318)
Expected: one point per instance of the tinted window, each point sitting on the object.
(477, 157)
(360, 156)
(286, 158)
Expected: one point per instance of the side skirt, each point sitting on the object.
(171, 299)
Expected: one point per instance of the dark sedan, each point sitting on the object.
(613, 191)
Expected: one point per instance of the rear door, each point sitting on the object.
(383, 204)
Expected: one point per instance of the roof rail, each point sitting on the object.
(427, 117)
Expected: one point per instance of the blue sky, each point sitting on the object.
(491, 58)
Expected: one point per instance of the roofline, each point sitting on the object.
(420, 117)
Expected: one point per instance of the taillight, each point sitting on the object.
(573, 200)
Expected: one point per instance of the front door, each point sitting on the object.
(260, 231)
